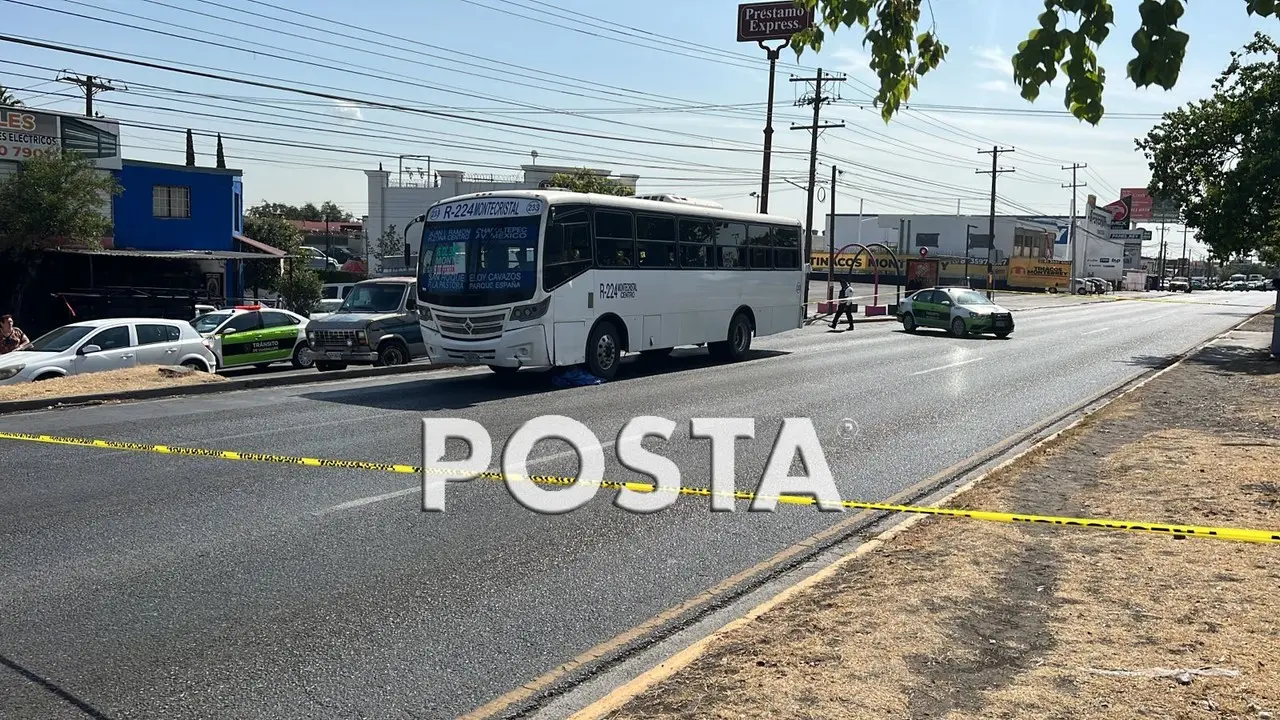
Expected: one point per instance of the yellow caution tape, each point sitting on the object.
(1219, 533)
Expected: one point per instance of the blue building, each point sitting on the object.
(187, 212)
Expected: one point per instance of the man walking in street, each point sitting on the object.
(844, 308)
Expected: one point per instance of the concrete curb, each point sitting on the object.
(230, 385)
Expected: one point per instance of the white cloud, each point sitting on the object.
(998, 86)
(852, 61)
(993, 59)
(350, 112)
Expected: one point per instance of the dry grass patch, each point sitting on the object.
(139, 378)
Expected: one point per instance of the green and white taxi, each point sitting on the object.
(254, 335)
(960, 310)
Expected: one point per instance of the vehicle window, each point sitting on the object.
(786, 248)
(328, 292)
(656, 241)
(696, 237)
(59, 340)
(970, 297)
(759, 247)
(209, 322)
(385, 297)
(567, 246)
(277, 319)
(111, 338)
(924, 296)
(615, 239)
(174, 332)
(730, 237)
(152, 334)
(244, 322)
(346, 291)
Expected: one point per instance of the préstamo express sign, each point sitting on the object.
(771, 21)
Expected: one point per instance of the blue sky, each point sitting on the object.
(667, 75)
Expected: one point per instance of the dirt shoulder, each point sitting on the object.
(139, 378)
(961, 619)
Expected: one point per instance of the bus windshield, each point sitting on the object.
(477, 262)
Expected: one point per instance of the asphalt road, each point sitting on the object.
(147, 586)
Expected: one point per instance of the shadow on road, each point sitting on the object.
(54, 688)
(944, 335)
(463, 392)
(1221, 359)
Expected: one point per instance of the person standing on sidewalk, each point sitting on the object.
(11, 338)
(844, 308)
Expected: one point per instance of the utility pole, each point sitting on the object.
(968, 241)
(817, 99)
(831, 236)
(1186, 271)
(91, 86)
(1071, 240)
(995, 172)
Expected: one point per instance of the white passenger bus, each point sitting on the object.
(551, 278)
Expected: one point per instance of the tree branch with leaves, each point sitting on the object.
(1218, 159)
(53, 199)
(902, 52)
(584, 180)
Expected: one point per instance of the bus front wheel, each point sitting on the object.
(604, 351)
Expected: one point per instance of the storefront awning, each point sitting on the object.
(170, 254)
(259, 246)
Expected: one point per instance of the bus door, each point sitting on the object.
(567, 261)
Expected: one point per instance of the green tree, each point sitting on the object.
(585, 181)
(56, 198)
(902, 51)
(278, 233)
(1218, 159)
(309, 211)
(388, 244)
(300, 289)
(7, 98)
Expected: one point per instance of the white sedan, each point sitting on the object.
(111, 344)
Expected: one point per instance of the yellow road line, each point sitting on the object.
(1183, 530)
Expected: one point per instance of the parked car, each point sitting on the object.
(1180, 284)
(317, 260)
(376, 325)
(110, 344)
(958, 309)
(255, 335)
(1081, 286)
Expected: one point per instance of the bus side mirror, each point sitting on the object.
(406, 254)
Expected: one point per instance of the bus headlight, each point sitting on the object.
(525, 313)
(424, 313)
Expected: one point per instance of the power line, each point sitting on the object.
(350, 99)
(995, 172)
(90, 86)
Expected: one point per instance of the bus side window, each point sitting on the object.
(786, 248)
(615, 237)
(730, 239)
(656, 241)
(695, 243)
(759, 247)
(566, 251)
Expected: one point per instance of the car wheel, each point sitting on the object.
(909, 322)
(195, 365)
(303, 357)
(324, 366)
(958, 328)
(604, 351)
(49, 376)
(393, 352)
(737, 340)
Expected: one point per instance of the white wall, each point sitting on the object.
(951, 231)
(1095, 253)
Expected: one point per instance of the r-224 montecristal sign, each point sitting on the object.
(771, 21)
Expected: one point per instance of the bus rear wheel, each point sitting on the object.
(738, 340)
(604, 351)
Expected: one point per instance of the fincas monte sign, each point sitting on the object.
(771, 21)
